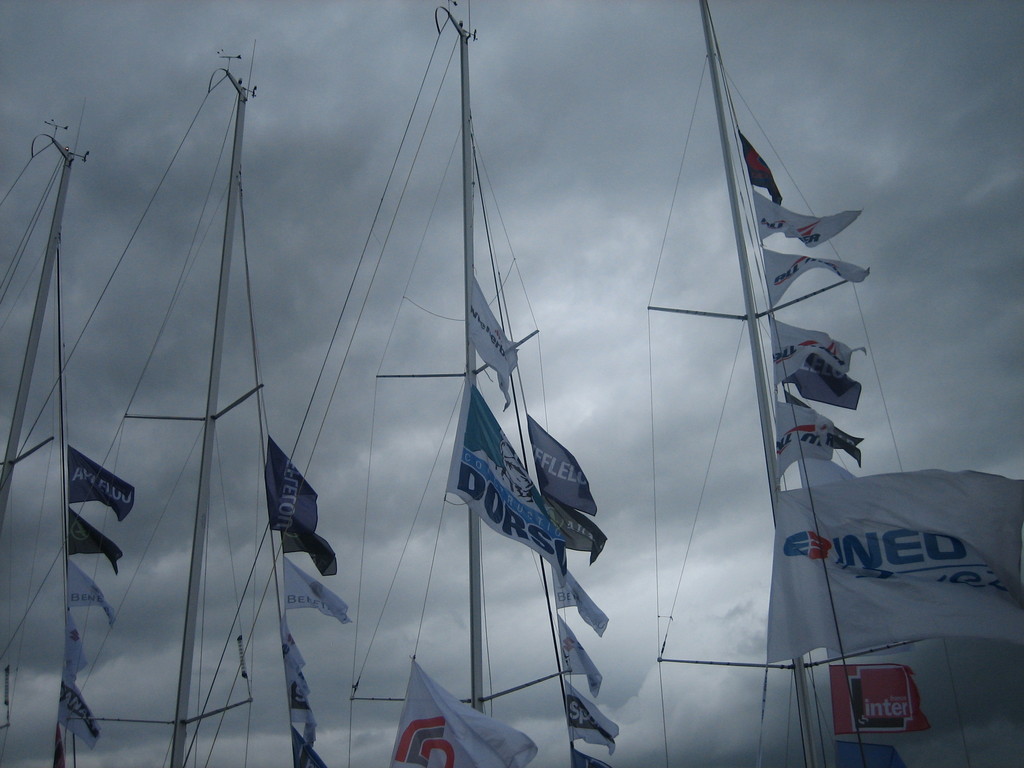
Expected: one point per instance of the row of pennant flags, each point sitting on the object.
(550, 517)
(488, 474)
(557, 513)
(868, 562)
(292, 510)
(87, 481)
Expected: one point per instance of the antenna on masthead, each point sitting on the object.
(55, 126)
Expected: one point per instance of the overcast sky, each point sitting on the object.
(604, 194)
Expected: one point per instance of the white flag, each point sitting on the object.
(901, 557)
(810, 230)
(587, 722)
(801, 433)
(298, 690)
(569, 593)
(437, 729)
(82, 591)
(490, 341)
(303, 591)
(74, 714)
(575, 659)
(74, 649)
(791, 346)
(781, 269)
(818, 472)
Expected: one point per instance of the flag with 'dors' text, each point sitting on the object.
(487, 473)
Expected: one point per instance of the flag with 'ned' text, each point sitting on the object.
(892, 558)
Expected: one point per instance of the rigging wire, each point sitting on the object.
(355, 677)
(19, 251)
(363, 254)
(703, 488)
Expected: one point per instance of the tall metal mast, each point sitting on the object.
(35, 330)
(475, 581)
(181, 719)
(727, 133)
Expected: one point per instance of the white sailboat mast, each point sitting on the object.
(475, 578)
(181, 719)
(35, 330)
(727, 133)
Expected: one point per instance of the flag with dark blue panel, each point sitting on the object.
(580, 760)
(290, 499)
(303, 755)
(88, 481)
(850, 754)
(759, 172)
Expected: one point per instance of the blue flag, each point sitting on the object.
(291, 505)
(848, 755)
(303, 755)
(88, 481)
(290, 499)
(580, 760)
(559, 475)
(489, 476)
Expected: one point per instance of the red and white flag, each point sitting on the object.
(801, 433)
(781, 269)
(810, 230)
(439, 731)
(875, 698)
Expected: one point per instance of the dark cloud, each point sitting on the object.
(604, 192)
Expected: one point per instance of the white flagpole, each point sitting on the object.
(727, 134)
(35, 330)
(181, 718)
(475, 586)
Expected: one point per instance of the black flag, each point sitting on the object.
(580, 532)
(88, 481)
(297, 540)
(83, 539)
